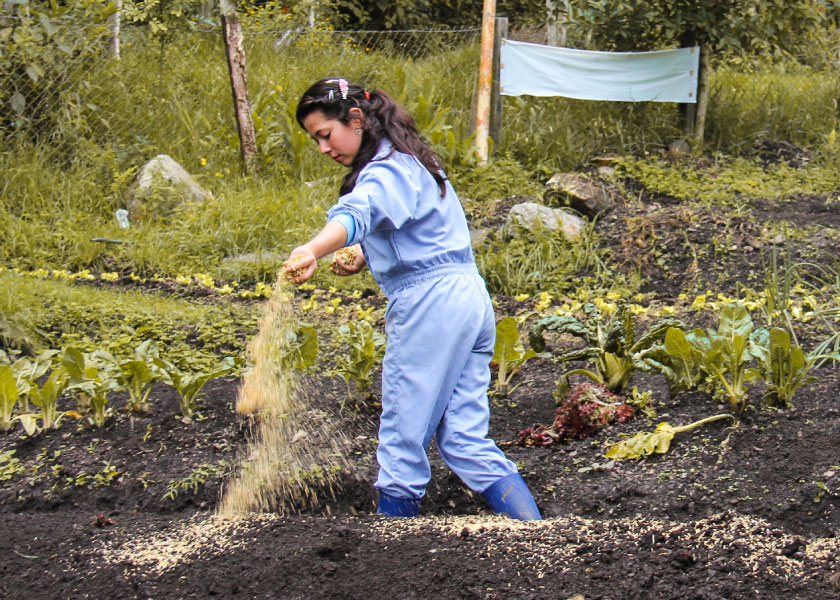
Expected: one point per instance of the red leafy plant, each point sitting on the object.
(589, 407)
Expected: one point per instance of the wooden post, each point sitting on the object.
(702, 99)
(232, 32)
(115, 30)
(485, 79)
(500, 32)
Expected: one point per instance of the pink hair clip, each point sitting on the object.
(342, 86)
(367, 96)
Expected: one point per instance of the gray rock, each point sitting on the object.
(533, 216)
(581, 193)
(679, 147)
(161, 186)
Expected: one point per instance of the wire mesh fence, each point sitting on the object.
(64, 93)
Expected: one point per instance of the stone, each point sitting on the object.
(581, 193)
(533, 216)
(162, 186)
(679, 147)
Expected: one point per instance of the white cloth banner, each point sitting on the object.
(660, 76)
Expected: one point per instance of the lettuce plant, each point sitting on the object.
(611, 345)
(28, 371)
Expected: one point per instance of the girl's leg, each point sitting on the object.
(432, 328)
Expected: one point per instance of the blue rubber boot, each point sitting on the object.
(395, 506)
(510, 496)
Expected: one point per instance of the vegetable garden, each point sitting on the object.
(667, 382)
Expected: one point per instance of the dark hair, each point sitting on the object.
(382, 117)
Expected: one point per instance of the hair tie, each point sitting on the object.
(367, 95)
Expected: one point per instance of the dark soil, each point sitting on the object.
(126, 511)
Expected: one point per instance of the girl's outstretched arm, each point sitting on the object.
(300, 266)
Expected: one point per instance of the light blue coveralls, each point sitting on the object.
(439, 322)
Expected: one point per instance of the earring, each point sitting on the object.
(358, 132)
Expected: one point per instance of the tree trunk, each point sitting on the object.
(239, 86)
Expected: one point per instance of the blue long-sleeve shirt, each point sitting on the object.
(406, 229)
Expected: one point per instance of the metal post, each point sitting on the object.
(500, 33)
(485, 80)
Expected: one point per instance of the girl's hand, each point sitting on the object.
(300, 266)
(348, 260)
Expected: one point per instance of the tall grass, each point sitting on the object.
(778, 102)
(54, 199)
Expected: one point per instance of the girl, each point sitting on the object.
(400, 213)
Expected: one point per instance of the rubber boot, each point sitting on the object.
(510, 496)
(396, 506)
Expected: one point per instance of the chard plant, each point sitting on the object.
(717, 359)
(366, 349)
(509, 355)
(783, 365)
(8, 397)
(659, 442)
(93, 376)
(46, 398)
(189, 385)
(611, 345)
(28, 371)
(139, 374)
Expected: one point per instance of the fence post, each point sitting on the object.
(232, 32)
(702, 98)
(485, 78)
(500, 33)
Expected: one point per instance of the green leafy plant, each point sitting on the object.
(9, 465)
(28, 371)
(717, 359)
(46, 398)
(139, 374)
(783, 365)
(659, 442)
(366, 349)
(8, 397)
(611, 345)
(509, 354)
(93, 376)
(189, 385)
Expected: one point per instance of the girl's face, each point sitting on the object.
(335, 138)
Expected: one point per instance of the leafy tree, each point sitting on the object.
(41, 44)
(751, 26)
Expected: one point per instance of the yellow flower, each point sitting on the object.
(183, 279)
(521, 297)
(203, 161)
(109, 276)
(699, 302)
(262, 290)
(224, 289)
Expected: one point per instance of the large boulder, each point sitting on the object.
(162, 186)
(533, 216)
(579, 192)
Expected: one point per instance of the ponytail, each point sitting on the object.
(383, 118)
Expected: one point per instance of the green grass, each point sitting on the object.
(59, 313)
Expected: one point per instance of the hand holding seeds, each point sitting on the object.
(347, 261)
(300, 266)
